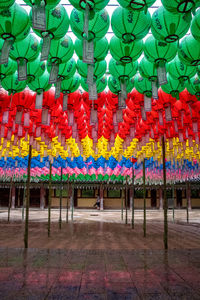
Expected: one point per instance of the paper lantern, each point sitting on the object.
(136, 4)
(115, 87)
(100, 49)
(180, 71)
(179, 6)
(66, 70)
(189, 51)
(100, 84)
(98, 25)
(148, 70)
(159, 53)
(124, 52)
(93, 5)
(194, 86)
(99, 69)
(70, 85)
(7, 69)
(143, 85)
(49, 4)
(169, 27)
(130, 25)
(173, 87)
(195, 26)
(12, 84)
(35, 69)
(122, 71)
(6, 3)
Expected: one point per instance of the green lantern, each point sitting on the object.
(194, 86)
(40, 85)
(115, 87)
(143, 86)
(6, 3)
(99, 69)
(100, 49)
(57, 24)
(60, 52)
(189, 51)
(69, 86)
(130, 25)
(14, 26)
(92, 4)
(12, 84)
(180, 71)
(169, 27)
(198, 70)
(35, 69)
(195, 26)
(97, 28)
(173, 87)
(124, 52)
(24, 51)
(49, 4)
(179, 6)
(147, 70)
(7, 69)
(100, 84)
(159, 53)
(136, 4)
(122, 71)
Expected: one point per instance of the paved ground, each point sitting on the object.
(99, 257)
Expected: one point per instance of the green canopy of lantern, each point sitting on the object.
(195, 26)
(100, 49)
(173, 87)
(70, 85)
(169, 27)
(179, 6)
(189, 51)
(40, 84)
(8, 69)
(136, 4)
(49, 4)
(61, 50)
(122, 71)
(93, 5)
(98, 25)
(6, 3)
(194, 86)
(115, 87)
(35, 69)
(180, 71)
(99, 69)
(124, 52)
(66, 70)
(100, 84)
(130, 25)
(14, 23)
(12, 84)
(147, 69)
(57, 23)
(143, 85)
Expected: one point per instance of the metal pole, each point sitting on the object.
(133, 207)
(67, 211)
(61, 194)
(72, 203)
(49, 202)
(173, 201)
(122, 209)
(27, 198)
(10, 199)
(187, 200)
(165, 198)
(144, 193)
(24, 199)
(126, 204)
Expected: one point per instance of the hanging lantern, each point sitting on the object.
(179, 6)
(148, 70)
(14, 27)
(39, 85)
(35, 69)
(24, 51)
(173, 87)
(169, 27)
(98, 70)
(57, 24)
(189, 51)
(195, 26)
(100, 49)
(159, 53)
(194, 86)
(94, 90)
(180, 71)
(124, 52)
(93, 5)
(7, 69)
(143, 86)
(49, 4)
(130, 25)
(6, 3)
(115, 87)
(69, 86)
(12, 84)
(136, 4)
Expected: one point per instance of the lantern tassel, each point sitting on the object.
(162, 76)
(38, 16)
(45, 47)
(39, 101)
(58, 88)
(22, 69)
(65, 102)
(154, 86)
(5, 51)
(54, 73)
(147, 103)
(93, 91)
(90, 74)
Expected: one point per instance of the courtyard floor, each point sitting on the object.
(97, 256)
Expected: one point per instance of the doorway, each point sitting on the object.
(153, 199)
(179, 201)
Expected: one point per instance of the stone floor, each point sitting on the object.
(99, 257)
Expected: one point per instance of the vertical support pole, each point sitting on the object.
(24, 200)
(173, 202)
(67, 211)
(10, 199)
(27, 198)
(187, 200)
(126, 203)
(165, 197)
(72, 204)
(61, 194)
(122, 209)
(49, 202)
(101, 197)
(133, 206)
(144, 193)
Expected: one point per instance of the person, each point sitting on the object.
(97, 204)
